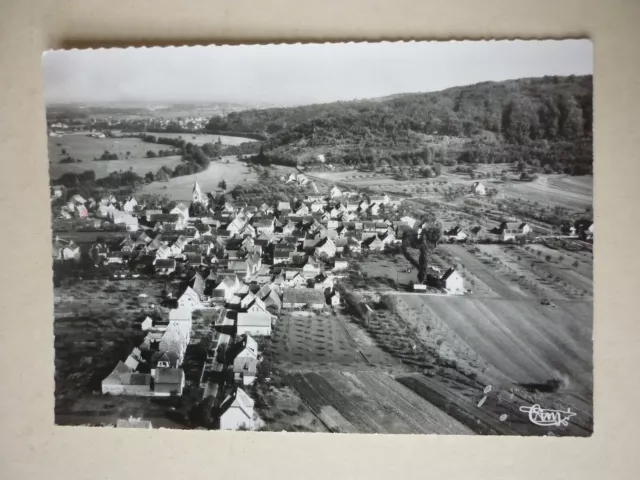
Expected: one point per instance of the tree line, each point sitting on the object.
(548, 119)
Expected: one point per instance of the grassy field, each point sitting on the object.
(528, 342)
(574, 193)
(180, 188)
(201, 138)
(80, 146)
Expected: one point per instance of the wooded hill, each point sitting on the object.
(546, 122)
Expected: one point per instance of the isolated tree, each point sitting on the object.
(432, 234)
(151, 154)
(422, 262)
(222, 185)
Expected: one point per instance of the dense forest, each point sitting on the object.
(545, 122)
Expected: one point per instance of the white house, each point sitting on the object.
(246, 360)
(130, 205)
(182, 210)
(189, 299)
(453, 282)
(237, 412)
(511, 230)
(478, 188)
(410, 221)
(253, 323)
(325, 246)
(335, 192)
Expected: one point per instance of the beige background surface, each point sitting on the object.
(32, 447)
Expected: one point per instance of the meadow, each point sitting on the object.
(228, 169)
(80, 146)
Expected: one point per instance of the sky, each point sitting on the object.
(299, 74)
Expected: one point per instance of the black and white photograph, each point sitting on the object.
(386, 238)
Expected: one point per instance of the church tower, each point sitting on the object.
(198, 196)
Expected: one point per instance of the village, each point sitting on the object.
(251, 262)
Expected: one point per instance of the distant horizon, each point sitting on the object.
(169, 103)
(299, 74)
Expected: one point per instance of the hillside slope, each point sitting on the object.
(546, 120)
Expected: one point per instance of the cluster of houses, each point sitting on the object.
(242, 266)
(154, 367)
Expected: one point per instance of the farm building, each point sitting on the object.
(112, 384)
(511, 230)
(303, 297)
(254, 323)
(452, 232)
(478, 188)
(452, 282)
(168, 381)
(584, 229)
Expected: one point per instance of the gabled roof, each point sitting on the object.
(302, 295)
(197, 283)
(448, 273)
(169, 375)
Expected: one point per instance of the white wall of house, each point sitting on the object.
(234, 418)
(455, 284)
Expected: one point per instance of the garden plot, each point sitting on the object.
(371, 402)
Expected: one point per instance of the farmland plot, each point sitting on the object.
(371, 402)
(301, 341)
(482, 273)
(528, 342)
(499, 413)
(575, 193)
(543, 272)
(80, 146)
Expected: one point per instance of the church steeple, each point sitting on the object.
(197, 195)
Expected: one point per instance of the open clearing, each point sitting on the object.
(180, 188)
